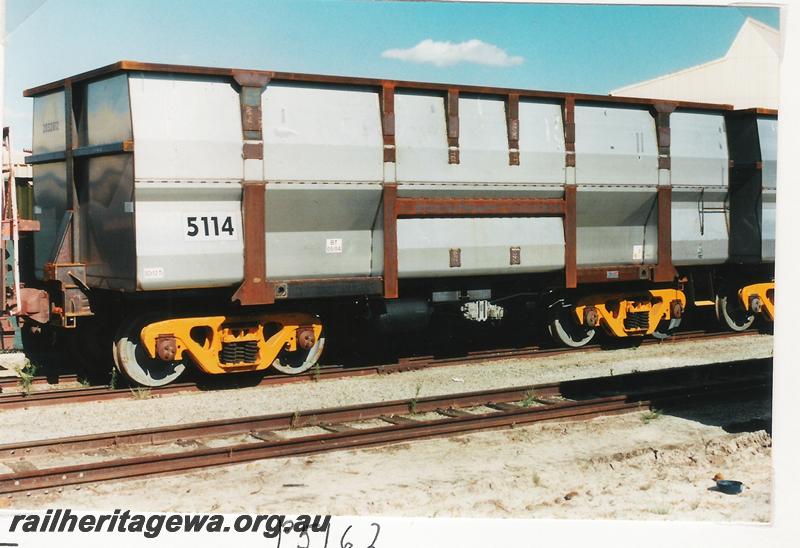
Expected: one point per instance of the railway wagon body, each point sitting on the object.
(251, 197)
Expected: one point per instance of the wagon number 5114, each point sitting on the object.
(210, 227)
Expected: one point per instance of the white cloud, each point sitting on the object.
(444, 54)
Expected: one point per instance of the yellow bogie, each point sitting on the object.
(222, 344)
(624, 315)
(763, 294)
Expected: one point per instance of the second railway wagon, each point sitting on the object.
(210, 217)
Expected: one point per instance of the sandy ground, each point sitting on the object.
(627, 467)
(9, 362)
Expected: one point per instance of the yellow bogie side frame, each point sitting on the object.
(614, 309)
(765, 293)
(212, 332)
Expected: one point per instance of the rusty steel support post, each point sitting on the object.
(568, 112)
(387, 122)
(664, 270)
(570, 236)
(252, 85)
(451, 117)
(254, 289)
(570, 196)
(390, 284)
(512, 125)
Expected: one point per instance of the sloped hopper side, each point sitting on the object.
(617, 176)
(189, 170)
(482, 245)
(323, 163)
(700, 203)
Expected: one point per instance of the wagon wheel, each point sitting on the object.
(565, 330)
(732, 314)
(299, 361)
(132, 359)
(665, 328)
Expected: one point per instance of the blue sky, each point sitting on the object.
(590, 49)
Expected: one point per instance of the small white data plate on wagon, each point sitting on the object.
(153, 273)
(638, 252)
(333, 245)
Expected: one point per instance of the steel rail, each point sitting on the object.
(405, 430)
(399, 430)
(14, 382)
(19, 399)
(539, 393)
(282, 421)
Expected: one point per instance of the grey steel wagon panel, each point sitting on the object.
(617, 225)
(768, 140)
(327, 150)
(50, 196)
(615, 145)
(320, 229)
(700, 218)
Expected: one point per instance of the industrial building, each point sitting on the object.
(745, 77)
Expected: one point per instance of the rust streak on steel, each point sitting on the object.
(445, 207)
(253, 151)
(395, 432)
(390, 265)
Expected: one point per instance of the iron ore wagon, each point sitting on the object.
(209, 217)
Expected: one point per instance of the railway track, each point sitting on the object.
(399, 422)
(41, 380)
(15, 398)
